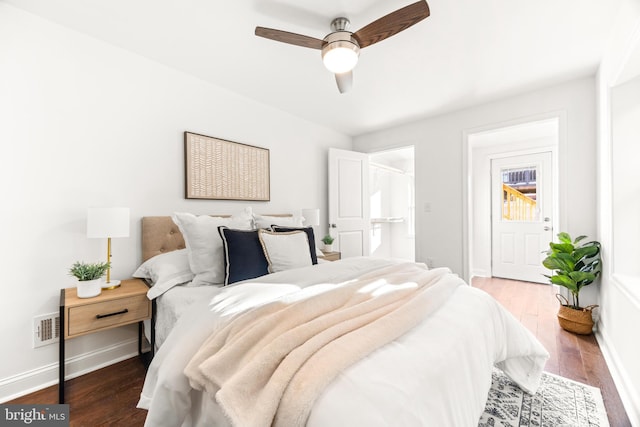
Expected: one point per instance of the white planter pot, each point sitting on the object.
(89, 288)
(328, 248)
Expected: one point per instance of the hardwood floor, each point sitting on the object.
(577, 357)
(108, 397)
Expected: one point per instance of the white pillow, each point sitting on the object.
(165, 271)
(265, 221)
(204, 244)
(285, 251)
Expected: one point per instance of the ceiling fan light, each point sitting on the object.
(340, 56)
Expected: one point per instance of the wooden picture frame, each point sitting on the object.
(218, 169)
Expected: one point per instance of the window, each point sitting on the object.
(519, 193)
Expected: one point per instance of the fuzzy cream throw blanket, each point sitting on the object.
(267, 365)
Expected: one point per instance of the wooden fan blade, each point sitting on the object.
(344, 81)
(291, 38)
(392, 23)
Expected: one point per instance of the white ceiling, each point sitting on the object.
(467, 52)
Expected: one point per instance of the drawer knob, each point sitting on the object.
(102, 316)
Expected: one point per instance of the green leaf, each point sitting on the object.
(568, 260)
(585, 251)
(595, 267)
(562, 247)
(564, 237)
(579, 238)
(553, 263)
(581, 276)
(564, 281)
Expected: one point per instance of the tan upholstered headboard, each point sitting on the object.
(160, 235)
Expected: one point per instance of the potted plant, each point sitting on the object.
(328, 243)
(89, 277)
(575, 265)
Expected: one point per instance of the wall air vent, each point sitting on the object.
(46, 329)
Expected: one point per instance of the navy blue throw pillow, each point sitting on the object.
(243, 255)
(308, 230)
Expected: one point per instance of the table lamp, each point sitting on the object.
(311, 217)
(108, 222)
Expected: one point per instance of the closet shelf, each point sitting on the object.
(387, 220)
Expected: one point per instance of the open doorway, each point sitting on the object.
(372, 203)
(392, 203)
(501, 244)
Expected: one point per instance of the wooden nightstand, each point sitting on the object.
(111, 309)
(330, 256)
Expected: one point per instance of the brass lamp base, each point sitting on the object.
(110, 285)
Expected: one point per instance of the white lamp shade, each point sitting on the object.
(311, 216)
(108, 222)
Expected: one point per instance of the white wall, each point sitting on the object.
(625, 117)
(83, 123)
(618, 133)
(439, 163)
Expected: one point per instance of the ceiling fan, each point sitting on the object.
(341, 48)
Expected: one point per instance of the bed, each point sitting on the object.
(359, 341)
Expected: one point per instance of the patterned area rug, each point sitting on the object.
(558, 402)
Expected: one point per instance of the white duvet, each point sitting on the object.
(437, 374)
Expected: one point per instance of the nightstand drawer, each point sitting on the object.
(107, 314)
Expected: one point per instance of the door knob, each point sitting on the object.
(546, 228)
(547, 219)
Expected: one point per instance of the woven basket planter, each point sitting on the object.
(578, 321)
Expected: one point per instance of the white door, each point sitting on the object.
(349, 218)
(522, 205)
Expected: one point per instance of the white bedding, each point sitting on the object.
(172, 305)
(437, 374)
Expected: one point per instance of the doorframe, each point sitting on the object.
(560, 169)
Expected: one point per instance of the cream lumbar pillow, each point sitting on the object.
(266, 221)
(285, 251)
(204, 244)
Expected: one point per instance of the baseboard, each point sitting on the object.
(45, 376)
(628, 393)
(480, 273)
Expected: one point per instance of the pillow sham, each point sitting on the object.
(265, 221)
(285, 251)
(243, 255)
(165, 271)
(204, 245)
(310, 236)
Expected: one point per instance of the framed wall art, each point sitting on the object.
(224, 170)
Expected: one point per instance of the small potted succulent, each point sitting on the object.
(575, 264)
(89, 277)
(328, 243)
